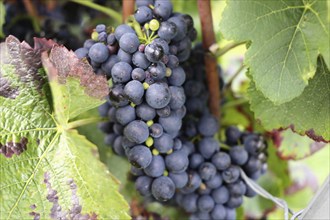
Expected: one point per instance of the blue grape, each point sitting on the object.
(195, 160)
(233, 134)
(89, 43)
(139, 156)
(121, 72)
(109, 139)
(234, 202)
(103, 109)
(171, 124)
(178, 97)
(188, 147)
(117, 95)
(179, 179)
(157, 70)
(164, 112)
(137, 131)
(238, 155)
(98, 52)
(167, 30)
(158, 95)
(252, 165)
(163, 44)
(111, 39)
(156, 168)
(138, 74)
(156, 130)
(231, 214)
(177, 144)
(124, 56)
(143, 185)
(117, 147)
(134, 91)
(140, 60)
(207, 171)
(177, 77)
(164, 143)
(176, 162)
(221, 160)
(215, 182)
(163, 188)
(208, 125)
(136, 171)
(237, 189)
(194, 181)
(219, 212)
(189, 202)
(102, 37)
(100, 28)
(181, 27)
(125, 115)
(140, 3)
(109, 63)
(163, 9)
(123, 29)
(129, 42)
(143, 14)
(205, 203)
(145, 112)
(221, 195)
(207, 147)
(81, 52)
(154, 52)
(250, 192)
(231, 174)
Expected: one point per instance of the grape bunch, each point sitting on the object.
(214, 188)
(146, 100)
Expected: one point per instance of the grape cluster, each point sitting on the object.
(158, 115)
(215, 188)
(146, 99)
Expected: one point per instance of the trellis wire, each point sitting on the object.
(262, 192)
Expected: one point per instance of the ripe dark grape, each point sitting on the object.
(139, 156)
(163, 188)
(143, 185)
(156, 168)
(98, 52)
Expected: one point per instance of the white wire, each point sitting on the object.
(262, 192)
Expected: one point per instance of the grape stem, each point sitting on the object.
(217, 51)
(85, 121)
(205, 14)
(34, 15)
(108, 11)
(128, 9)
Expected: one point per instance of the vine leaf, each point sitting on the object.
(48, 170)
(2, 17)
(283, 54)
(296, 147)
(308, 114)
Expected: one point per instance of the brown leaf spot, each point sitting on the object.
(62, 63)
(75, 212)
(11, 148)
(26, 61)
(6, 90)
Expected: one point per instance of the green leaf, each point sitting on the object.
(2, 17)
(287, 37)
(307, 114)
(296, 147)
(48, 170)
